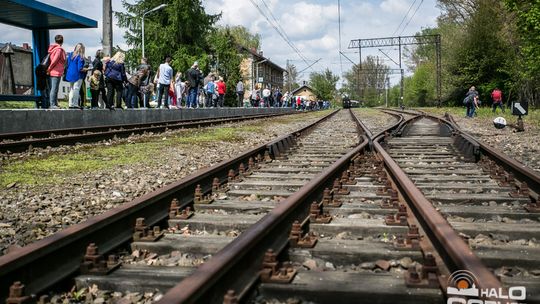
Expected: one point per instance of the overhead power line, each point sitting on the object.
(412, 16)
(404, 17)
(277, 27)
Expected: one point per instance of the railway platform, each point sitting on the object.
(27, 120)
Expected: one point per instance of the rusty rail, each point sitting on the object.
(520, 171)
(447, 241)
(237, 265)
(44, 263)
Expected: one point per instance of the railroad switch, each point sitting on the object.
(427, 277)
(329, 200)
(316, 214)
(16, 294)
(533, 206)
(144, 234)
(297, 240)
(523, 191)
(397, 219)
(94, 263)
(199, 198)
(230, 297)
(273, 272)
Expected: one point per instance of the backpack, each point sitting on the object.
(210, 87)
(467, 100)
(46, 62)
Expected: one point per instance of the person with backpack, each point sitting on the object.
(469, 101)
(42, 83)
(55, 69)
(210, 89)
(496, 96)
(75, 74)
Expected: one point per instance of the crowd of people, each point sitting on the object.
(112, 87)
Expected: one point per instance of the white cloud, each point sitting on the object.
(312, 25)
(395, 6)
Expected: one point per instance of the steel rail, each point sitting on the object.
(110, 132)
(237, 265)
(520, 171)
(46, 262)
(449, 244)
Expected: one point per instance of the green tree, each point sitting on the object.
(324, 84)
(226, 60)
(245, 38)
(368, 82)
(179, 30)
(526, 39)
(291, 80)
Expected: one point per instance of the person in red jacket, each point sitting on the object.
(57, 57)
(222, 89)
(496, 96)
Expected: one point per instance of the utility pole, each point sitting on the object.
(107, 28)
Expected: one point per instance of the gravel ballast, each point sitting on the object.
(32, 211)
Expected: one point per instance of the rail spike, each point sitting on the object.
(230, 297)
(200, 198)
(274, 272)
(143, 233)
(296, 239)
(94, 263)
(16, 294)
(427, 277)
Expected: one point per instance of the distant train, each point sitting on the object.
(347, 103)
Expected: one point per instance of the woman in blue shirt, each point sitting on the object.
(75, 74)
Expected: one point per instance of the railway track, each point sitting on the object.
(319, 217)
(22, 141)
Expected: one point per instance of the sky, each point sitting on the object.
(311, 25)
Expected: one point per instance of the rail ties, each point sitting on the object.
(480, 201)
(214, 221)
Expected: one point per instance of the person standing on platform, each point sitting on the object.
(115, 78)
(193, 76)
(266, 97)
(210, 89)
(75, 75)
(57, 57)
(97, 65)
(146, 85)
(164, 78)
(95, 80)
(222, 89)
(240, 92)
(179, 88)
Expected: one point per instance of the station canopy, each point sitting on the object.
(31, 14)
(40, 18)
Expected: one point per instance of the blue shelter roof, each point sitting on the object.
(33, 15)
